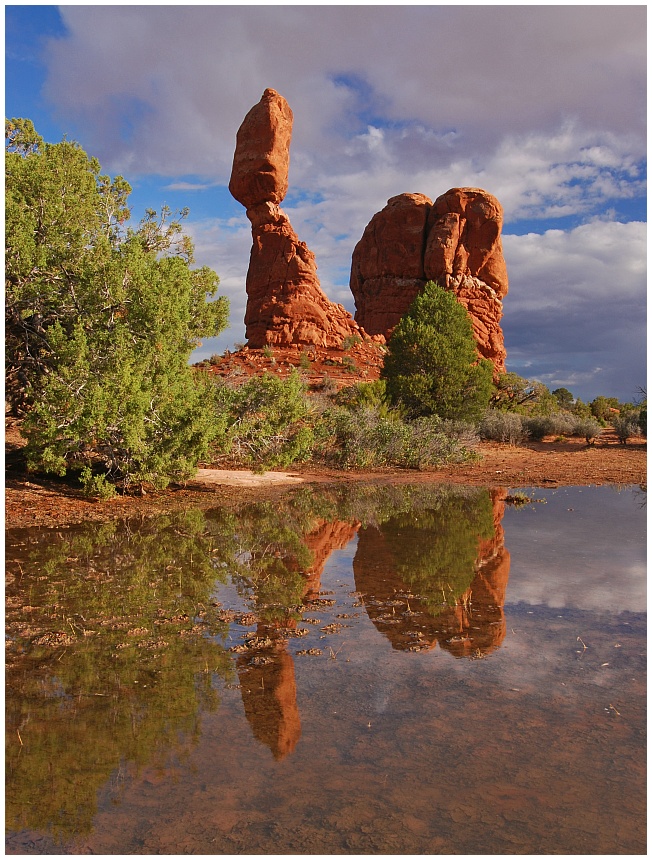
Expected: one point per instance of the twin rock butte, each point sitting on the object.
(454, 241)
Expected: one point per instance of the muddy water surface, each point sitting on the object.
(378, 670)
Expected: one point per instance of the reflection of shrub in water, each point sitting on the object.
(133, 675)
(134, 606)
(435, 550)
(265, 554)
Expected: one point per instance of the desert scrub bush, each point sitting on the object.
(497, 426)
(327, 386)
(561, 423)
(431, 442)
(350, 341)
(538, 426)
(269, 422)
(588, 428)
(371, 436)
(626, 426)
(370, 394)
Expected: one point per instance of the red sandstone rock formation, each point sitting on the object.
(285, 303)
(455, 242)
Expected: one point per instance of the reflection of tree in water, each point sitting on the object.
(438, 576)
(108, 663)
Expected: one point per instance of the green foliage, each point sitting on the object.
(603, 408)
(515, 428)
(500, 426)
(371, 394)
(351, 341)
(510, 391)
(580, 409)
(514, 393)
(537, 426)
(432, 367)
(268, 421)
(626, 426)
(589, 428)
(272, 422)
(642, 414)
(100, 322)
(563, 397)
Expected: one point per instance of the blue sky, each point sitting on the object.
(542, 106)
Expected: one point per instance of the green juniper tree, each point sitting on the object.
(432, 365)
(100, 322)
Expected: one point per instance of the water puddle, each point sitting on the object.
(373, 670)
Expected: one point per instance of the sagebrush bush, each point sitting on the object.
(625, 426)
(497, 426)
(588, 428)
(538, 426)
(268, 422)
(515, 428)
(367, 436)
(562, 423)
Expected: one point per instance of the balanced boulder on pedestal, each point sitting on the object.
(285, 302)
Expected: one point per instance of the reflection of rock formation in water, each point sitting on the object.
(267, 679)
(269, 695)
(322, 541)
(409, 616)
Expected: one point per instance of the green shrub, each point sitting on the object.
(432, 366)
(372, 437)
(626, 426)
(350, 341)
(363, 394)
(100, 323)
(538, 426)
(268, 422)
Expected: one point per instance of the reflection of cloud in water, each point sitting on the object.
(621, 590)
(584, 548)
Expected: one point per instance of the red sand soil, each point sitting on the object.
(37, 501)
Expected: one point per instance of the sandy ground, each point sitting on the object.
(38, 501)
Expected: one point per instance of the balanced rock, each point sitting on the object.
(454, 241)
(261, 161)
(285, 302)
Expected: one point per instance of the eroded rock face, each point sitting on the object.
(285, 302)
(387, 267)
(454, 241)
